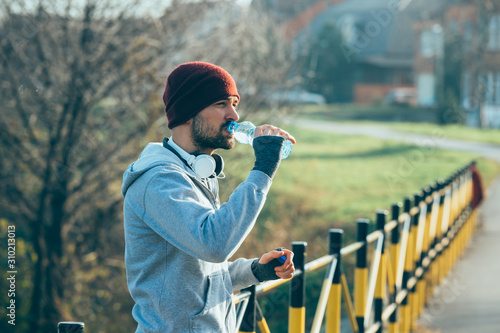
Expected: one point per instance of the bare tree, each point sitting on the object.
(80, 90)
(74, 88)
(245, 42)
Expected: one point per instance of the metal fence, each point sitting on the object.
(428, 232)
(409, 256)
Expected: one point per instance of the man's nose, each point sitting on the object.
(232, 114)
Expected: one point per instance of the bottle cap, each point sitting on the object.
(232, 126)
(282, 259)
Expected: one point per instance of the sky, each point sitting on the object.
(149, 7)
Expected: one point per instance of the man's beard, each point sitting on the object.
(209, 137)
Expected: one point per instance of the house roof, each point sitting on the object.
(391, 37)
(296, 24)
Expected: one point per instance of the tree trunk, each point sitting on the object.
(36, 297)
(54, 277)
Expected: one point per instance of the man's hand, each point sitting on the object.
(284, 271)
(273, 131)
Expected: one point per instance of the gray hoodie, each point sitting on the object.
(178, 240)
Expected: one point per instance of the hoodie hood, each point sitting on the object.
(153, 155)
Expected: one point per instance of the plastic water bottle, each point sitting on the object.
(244, 133)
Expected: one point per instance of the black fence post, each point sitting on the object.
(334, 299)
(361, 274)
(382, 271)
(394, 250)
(406, 302)
(297, 311)
(248, 321)
(414, 296)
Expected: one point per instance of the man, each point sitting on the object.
(178, 236)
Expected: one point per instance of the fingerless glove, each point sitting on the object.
(268, 153)
(265, 272)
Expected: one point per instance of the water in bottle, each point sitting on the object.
(244, 133)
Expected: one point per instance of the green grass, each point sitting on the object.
(355, 112)
(331, 180)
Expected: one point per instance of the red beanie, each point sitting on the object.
(193, 86)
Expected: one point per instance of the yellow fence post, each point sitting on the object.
(439, 234)
(451, 230)
(297, 310)
(436, 210)
(394, 249)
(414, 294)
(382, 272)
(261, 321)
(361, 274)
(455, 207)
(334, 298)
(422, 282)
(408, 267)
(445, 226)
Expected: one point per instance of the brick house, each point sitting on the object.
(476, 25)
(377, 34)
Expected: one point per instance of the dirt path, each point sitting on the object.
(469, 300)
(439, 140)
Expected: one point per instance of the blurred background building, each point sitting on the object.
(435, 54)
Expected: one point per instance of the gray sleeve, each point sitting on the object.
(241, 274)
(181, 214)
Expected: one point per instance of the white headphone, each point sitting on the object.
(203, 165)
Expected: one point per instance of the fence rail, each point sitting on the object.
(412, 253)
